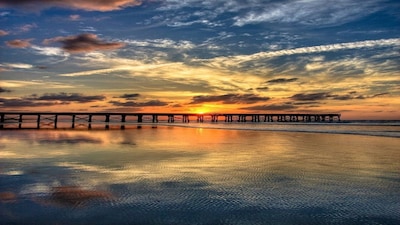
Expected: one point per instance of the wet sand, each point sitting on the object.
(173, 175)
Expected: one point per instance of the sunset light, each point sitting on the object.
(200, 112)
(253, 57)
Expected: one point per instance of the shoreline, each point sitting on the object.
(275, 127)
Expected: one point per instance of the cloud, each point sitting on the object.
(3, 33)
(84, 43)
(49, 99)
(74, 17)
(67, 97)
(272, 107)
(3, 90)
(229, 99)
(327, 96)
(310, 97)
(19, 102)
(310, 12)
(130, 96)
(87, 5)
(26, 28)
(282, 80)
(139, 104)
(162, 43)
(19, 43)
(322, 48)
(16, 65)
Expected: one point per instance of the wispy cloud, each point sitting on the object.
(325, 48)
(161, 43)
(258, 60)
(74, 17)
(271, 107)
(311, 12)
(88, 5)
(229, 99)
(4, 33)
(36, 83)
(16, 65)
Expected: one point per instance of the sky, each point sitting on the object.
(237, 56)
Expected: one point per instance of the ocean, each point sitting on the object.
(203, 173)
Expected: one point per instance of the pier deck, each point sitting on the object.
(54, 120)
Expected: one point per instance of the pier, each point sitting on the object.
(72, 120)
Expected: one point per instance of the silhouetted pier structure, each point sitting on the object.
(73, 120)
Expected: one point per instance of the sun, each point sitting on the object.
(201, 110)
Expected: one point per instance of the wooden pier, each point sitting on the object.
(37, 120)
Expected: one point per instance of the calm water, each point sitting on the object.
(237, 174)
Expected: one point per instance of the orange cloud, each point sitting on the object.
(19, 43)
(88, 5)
(84, 43)
(3, 33)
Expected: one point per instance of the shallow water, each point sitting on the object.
(177, 175)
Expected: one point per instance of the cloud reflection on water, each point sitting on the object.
(206, 170)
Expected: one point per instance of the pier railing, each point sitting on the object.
(21, 120)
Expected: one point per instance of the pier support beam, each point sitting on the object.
(185, 119)
(90, 121)
(38, 122)
(2, 121)
(200, 119)
(214, 118)
(73, 121)
(155, 119)
(20, 121)
(55, 121)
(123, 120)
(107, 121)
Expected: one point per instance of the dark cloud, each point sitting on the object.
(88, 5)
(310, 103)
(327, 96)
(139, 104)
(342, 97)
(229, 99)
(282, 80)
(130, 96)
(84, 43)
(310, 97)
(49, 100)
(19, 43)
(262, 88)
(67, 97)
(272, 107)
(18, 102)
(2, 90)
